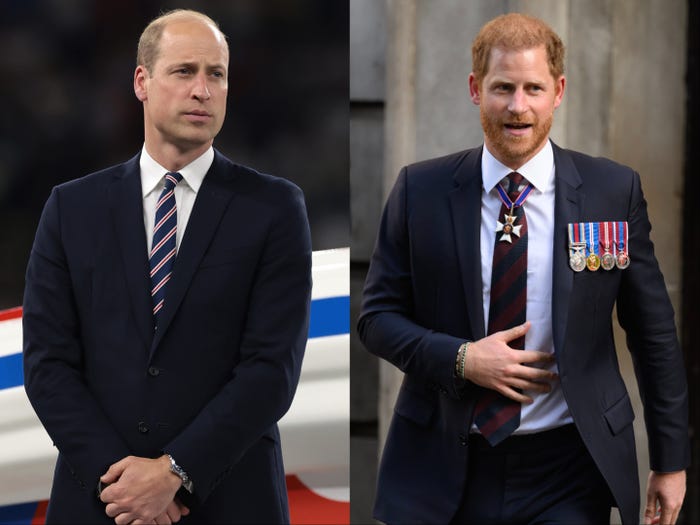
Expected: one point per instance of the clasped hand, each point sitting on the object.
(142, 491)
(491, 363)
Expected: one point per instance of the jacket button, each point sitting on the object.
(463, 440)
(153, 371)
(143, 427)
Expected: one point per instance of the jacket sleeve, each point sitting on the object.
(263, 383)
(646, 314)
(53, 358)
(386, 325)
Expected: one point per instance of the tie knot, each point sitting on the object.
(515, 178)
(171, 180)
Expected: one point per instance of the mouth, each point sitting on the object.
(197, 115)
(517, 128)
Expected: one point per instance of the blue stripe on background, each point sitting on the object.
(11, 372)
(329, 316)
(21, 514)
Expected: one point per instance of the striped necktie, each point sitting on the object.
(495, 415)
(164, 246)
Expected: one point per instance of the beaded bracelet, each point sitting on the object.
(461, 359)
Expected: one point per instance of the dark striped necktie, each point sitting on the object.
(164, 245)
(495, 415)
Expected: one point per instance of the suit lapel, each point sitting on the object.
(465, 203)
(568, 203)
(125, 202)
(212, 200)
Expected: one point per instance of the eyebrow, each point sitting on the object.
(196, 65)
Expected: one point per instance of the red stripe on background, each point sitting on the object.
(307, 507)
(40, 514)
(12, 313)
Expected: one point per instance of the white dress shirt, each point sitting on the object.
(153, 182)
(548, 410)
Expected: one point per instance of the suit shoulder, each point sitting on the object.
(438, 174)
(95, 181)
(602, 167)
(253, 182)
(447, 164)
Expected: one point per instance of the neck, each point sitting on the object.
(173, 158)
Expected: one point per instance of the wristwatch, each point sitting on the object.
(177, 470)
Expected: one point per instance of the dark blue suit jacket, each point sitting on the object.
(210, 385)
(423, 298)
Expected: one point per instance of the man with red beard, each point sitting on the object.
(492, 287)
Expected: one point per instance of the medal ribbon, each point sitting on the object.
(592, 237)
(622, 236)
(605, 228)
(519, 201)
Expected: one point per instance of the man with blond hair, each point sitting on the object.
(492, 287)
(164, 330)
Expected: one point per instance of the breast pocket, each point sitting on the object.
(227, 255)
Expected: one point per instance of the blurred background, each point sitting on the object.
(68, 106)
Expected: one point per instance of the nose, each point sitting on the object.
(518, 103)
(200, 89)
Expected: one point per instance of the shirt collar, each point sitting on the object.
(152, 173)
(538, 170)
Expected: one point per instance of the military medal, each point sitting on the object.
(577, 248)
(577, 260)
(622, 259)
(588, 239)
(508, 226)
(607, 260)
(592, 261)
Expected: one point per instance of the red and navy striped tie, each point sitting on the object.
(495, 415)
(164, 243)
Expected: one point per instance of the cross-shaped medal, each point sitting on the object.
(508, 227)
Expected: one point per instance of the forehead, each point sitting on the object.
(529, 62)
(192, 40)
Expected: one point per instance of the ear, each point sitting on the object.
(559, 86)
(474, 89)
(141, 83)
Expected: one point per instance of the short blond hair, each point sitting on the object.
(515, 32)
(148, 48)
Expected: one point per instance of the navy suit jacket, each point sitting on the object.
(423, 298)
(209, 386)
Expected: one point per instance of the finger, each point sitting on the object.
(533, 374)
(163, 519)
(114, 471)
(666, 515)
(533, 356)
(112, 510)
(650, 508)
(515, 332)
(125, 519)
(530, 386)
(184, 510)
(173, 512)
(515, 395)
